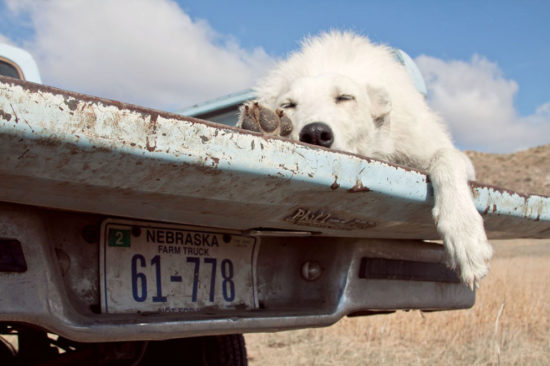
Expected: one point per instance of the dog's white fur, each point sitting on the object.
(388, 119)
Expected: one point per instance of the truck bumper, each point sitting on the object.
(59, 289)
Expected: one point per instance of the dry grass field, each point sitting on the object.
(508, 325)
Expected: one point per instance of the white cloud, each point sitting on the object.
(5, 40)
(147, 52)
(477, 103)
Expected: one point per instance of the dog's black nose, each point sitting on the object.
(317, 133)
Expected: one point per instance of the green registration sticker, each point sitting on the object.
(119, 238)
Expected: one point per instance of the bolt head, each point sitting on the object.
(311, 270)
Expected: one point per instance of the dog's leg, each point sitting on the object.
(256, 117)
(457, 220)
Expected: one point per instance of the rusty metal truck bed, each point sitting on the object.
(340, 234)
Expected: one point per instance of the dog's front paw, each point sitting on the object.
(468, 250)
(256, 117)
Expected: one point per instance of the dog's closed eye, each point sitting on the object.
(344, 98)
(289, 104)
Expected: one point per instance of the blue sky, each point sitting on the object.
(485, 62)
(514, 34)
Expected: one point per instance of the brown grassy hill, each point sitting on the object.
(526, 171)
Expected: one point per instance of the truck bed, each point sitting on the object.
(330, 234)
(74, 152)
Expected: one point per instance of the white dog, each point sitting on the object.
(344, 92)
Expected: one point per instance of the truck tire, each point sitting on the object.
(35, 347)
(224, 350)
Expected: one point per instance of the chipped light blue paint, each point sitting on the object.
(508, 203)
(211, 175)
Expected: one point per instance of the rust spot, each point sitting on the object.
(494, 208)
(358, 187)
(204, 139)
(71, 103)
(16, 118)
(214, 159)
(150, 139)
(293, 171)
(486, 210)
(335, 185)
(149, 146)
(50, 142)
(205, 169)
(23, 154)
(101, 148)
(5, 116)
(153, 125)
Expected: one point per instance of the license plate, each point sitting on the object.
(153, 267)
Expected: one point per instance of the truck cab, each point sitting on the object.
(18, 63)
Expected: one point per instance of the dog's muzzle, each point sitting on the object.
(317, 133)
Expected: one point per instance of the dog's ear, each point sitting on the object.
(380, 105)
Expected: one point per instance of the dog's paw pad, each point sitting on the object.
(255, 117)
(286, 123)
(267, 119)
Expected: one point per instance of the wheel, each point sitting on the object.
(224, 350)
(37, 347)
(228, 350)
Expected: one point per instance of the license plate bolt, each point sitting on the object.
(311, 270)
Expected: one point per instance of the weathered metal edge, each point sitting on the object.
(148, 138)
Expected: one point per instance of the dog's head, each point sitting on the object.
(334, 111)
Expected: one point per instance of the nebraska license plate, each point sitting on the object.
(153, 267)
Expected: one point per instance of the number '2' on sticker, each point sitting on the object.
(119, 238)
